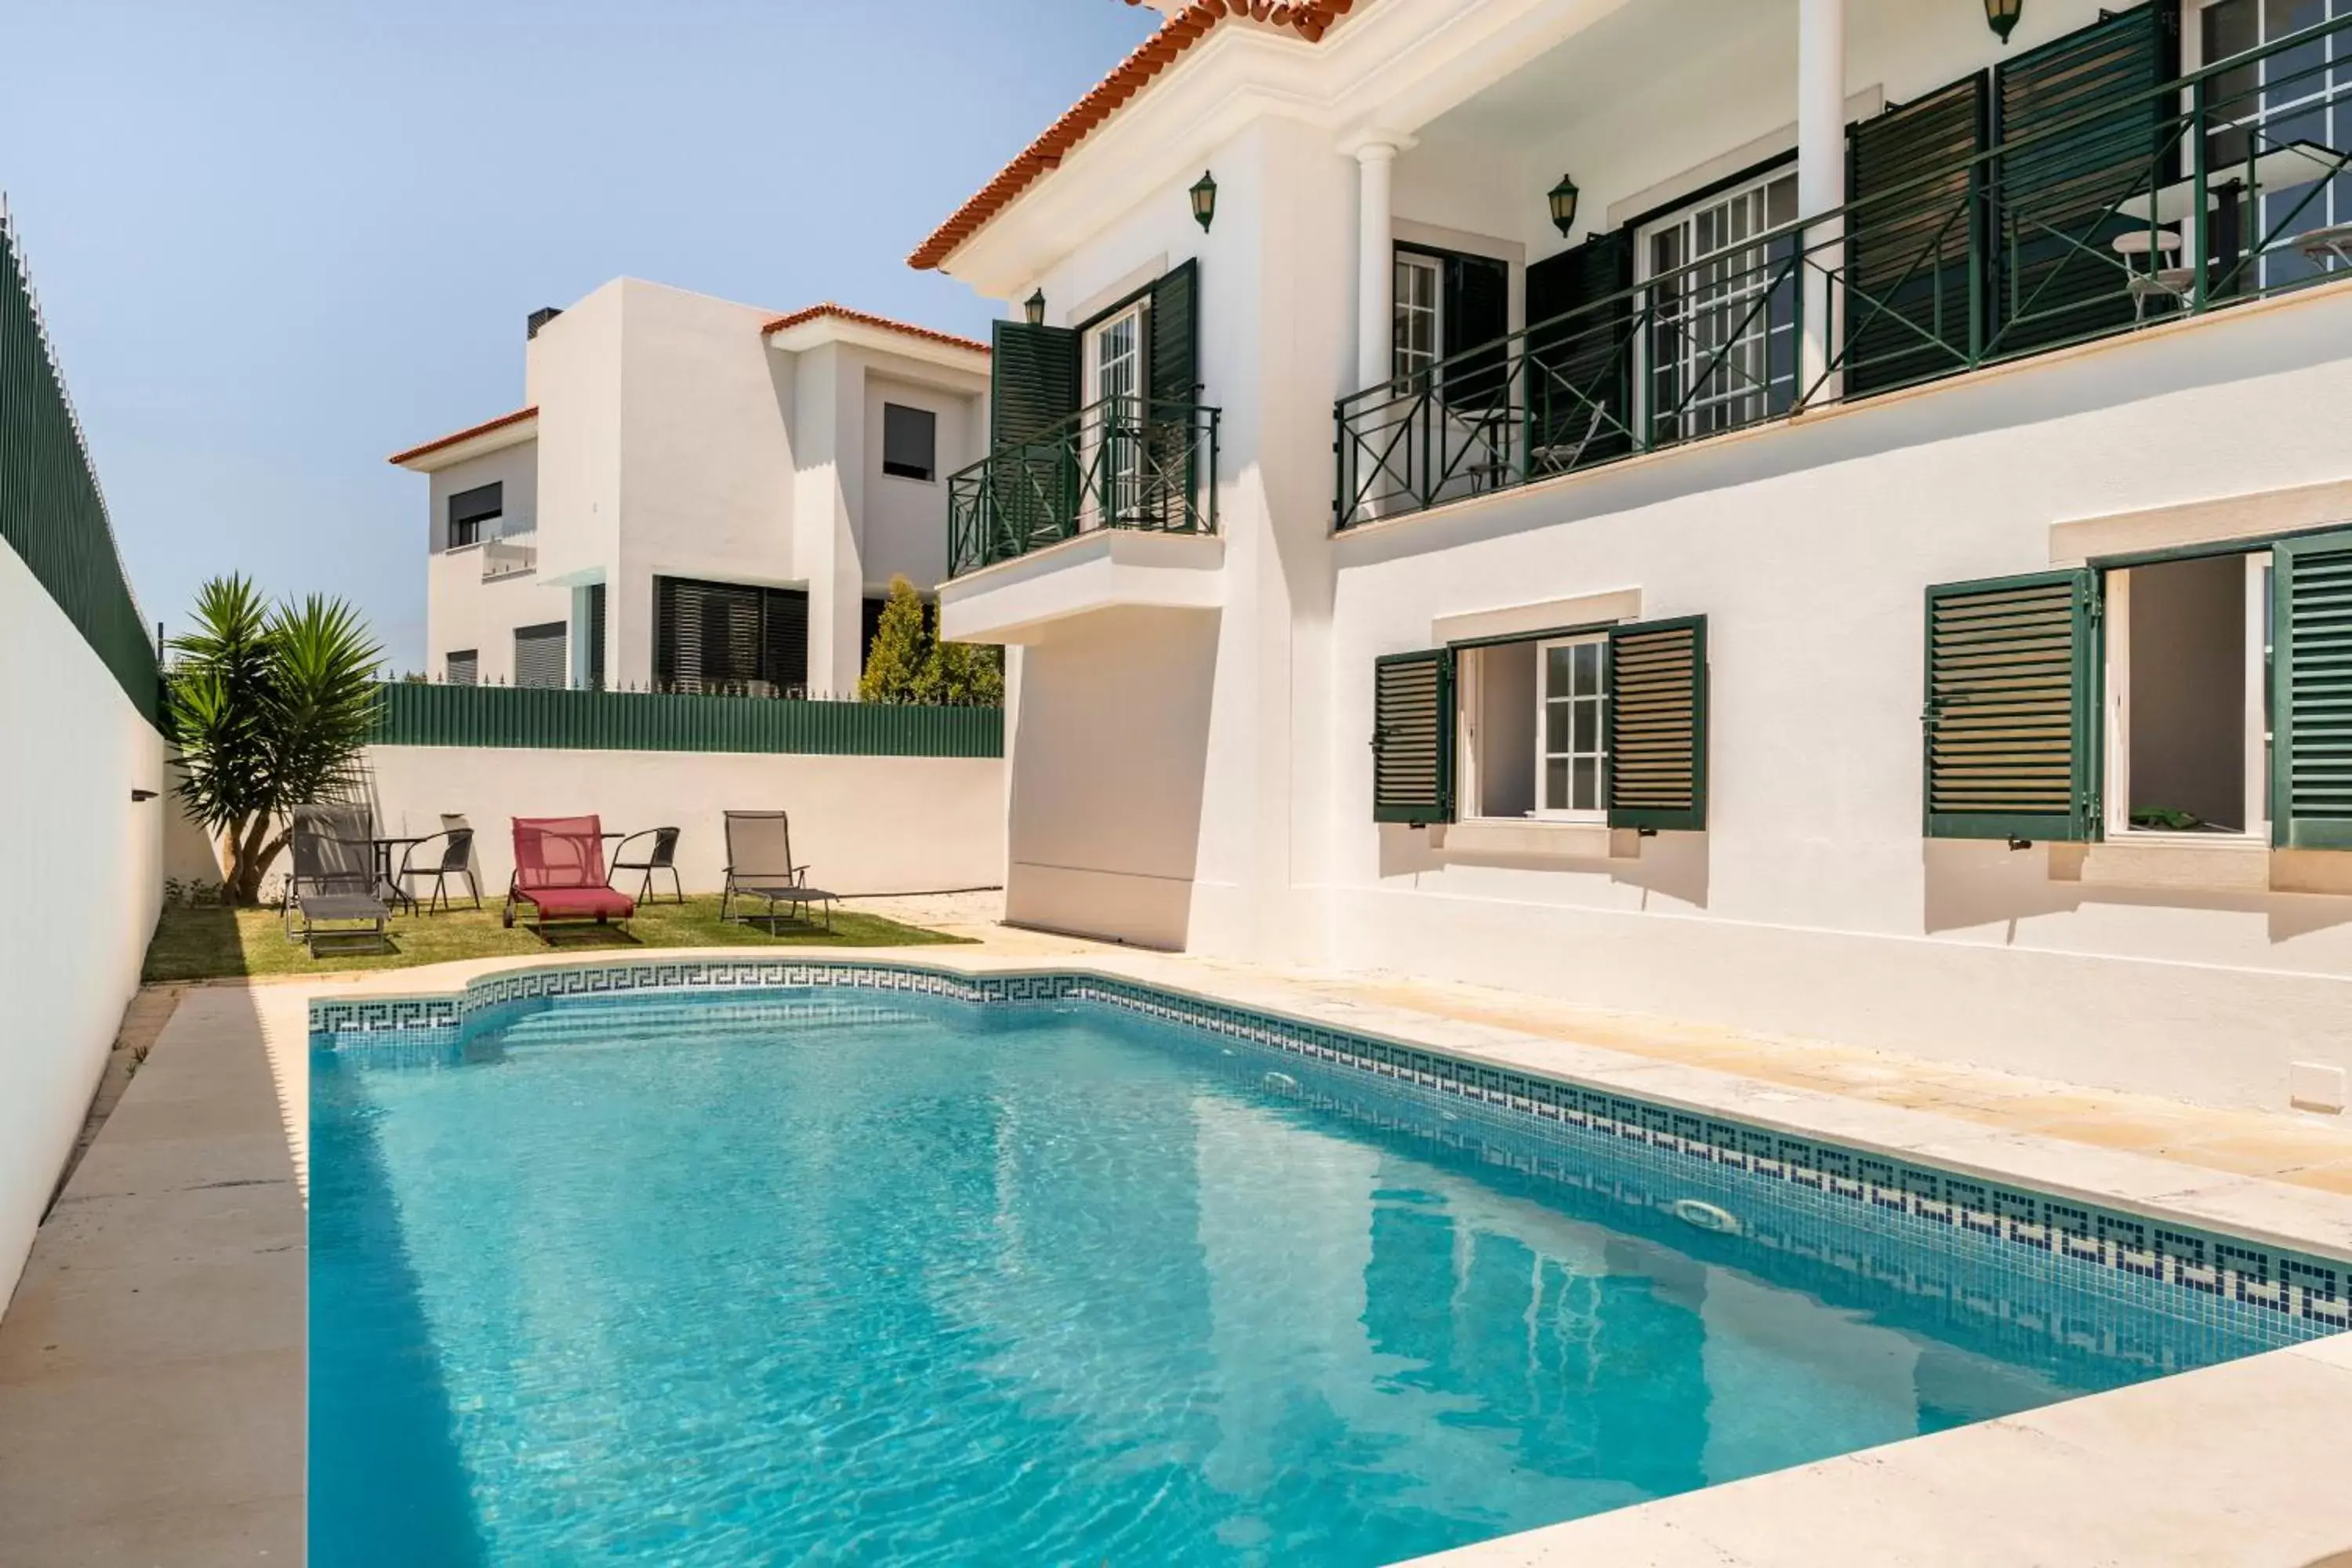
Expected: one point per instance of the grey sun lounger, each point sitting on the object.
(759, 866)
(334, 882)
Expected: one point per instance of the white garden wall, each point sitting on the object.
(863, 824)
(84, 888)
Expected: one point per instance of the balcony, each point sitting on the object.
(2206, 192)
(1124, 463)
(510, 554)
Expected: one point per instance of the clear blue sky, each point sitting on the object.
(276, 242)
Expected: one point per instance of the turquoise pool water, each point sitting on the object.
(833, 1276)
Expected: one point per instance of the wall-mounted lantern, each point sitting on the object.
(2001, 15)
(1204, 200)
(1562, 197)
(1033, 308)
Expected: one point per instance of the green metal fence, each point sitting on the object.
(414, 714)
(51, 512)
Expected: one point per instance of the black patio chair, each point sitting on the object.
(759, 866)
(661, 855)
(454, 859)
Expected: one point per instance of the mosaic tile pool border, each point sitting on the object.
(2308, 1290)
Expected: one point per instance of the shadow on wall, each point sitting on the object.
(1110, 763)
(1671, 865)
(1972, 883)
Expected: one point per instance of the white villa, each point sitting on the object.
(1824, 517)
(698, 495)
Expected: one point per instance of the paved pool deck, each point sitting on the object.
(150, 1363)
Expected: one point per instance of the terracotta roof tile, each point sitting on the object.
(467, 434)
(866, 319)
(1309, 19)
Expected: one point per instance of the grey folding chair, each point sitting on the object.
(334, 878)
(760, 864)
(659, 854)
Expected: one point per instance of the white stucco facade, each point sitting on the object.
(73, 751)
(670, 435)
(1189, 735)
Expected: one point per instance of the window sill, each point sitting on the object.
(1532, 839)
(2196, 862)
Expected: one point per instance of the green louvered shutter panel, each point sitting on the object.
(2059, 276)
(1580, 369)
(1412, 737)
(1033, 387)
(2012, 713)
(1172, 370)
(1657, 724)
(2311, 671)
(1909, 306)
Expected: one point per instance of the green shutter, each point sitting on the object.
(2011, 722)
(1657, 724)
(1033, 387)
(1033, 382)
(1581, 368)
(1173, 365)
(1911, 307)
(1476, 319)
(2311, 672)
(1173, 371)
(1412, 737)
(2060, 277)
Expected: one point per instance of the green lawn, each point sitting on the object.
(208, 943)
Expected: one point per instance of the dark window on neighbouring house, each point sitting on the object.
(595, 635)
(540, 656)
(910, 442)
(464, 667)
(730, 636)
(869, 622)
(469, 510)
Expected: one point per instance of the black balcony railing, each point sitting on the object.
(1123, 462)
(2222, 186)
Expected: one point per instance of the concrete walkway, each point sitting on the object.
(151, 1359)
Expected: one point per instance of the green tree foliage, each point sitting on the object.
(910, 663)
(269, 708)
(893, 664)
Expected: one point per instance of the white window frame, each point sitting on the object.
(1123, 481)
(1645, 270)
(1599, 699)
(1421, 263)
(2255, 657)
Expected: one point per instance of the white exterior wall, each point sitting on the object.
(864, 824)
(1813, 905)
(675, 439)
(462, 610)
(87, 880)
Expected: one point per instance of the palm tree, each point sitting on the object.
(271, 709)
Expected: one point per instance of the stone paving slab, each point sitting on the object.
(151, 1361)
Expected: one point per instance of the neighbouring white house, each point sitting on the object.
(698, 495)
(1829, 517)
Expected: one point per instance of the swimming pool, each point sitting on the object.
(860, 1273)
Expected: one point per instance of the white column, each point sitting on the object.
(1821, 180)
(1375, 262)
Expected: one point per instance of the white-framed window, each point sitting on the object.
(1720, 342)
(2187, 696)
(1571, 755)
(2298, 97)
(1533, 731)
(1113, 432)
(1419, 293)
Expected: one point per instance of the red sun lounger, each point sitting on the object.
(560, 872)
